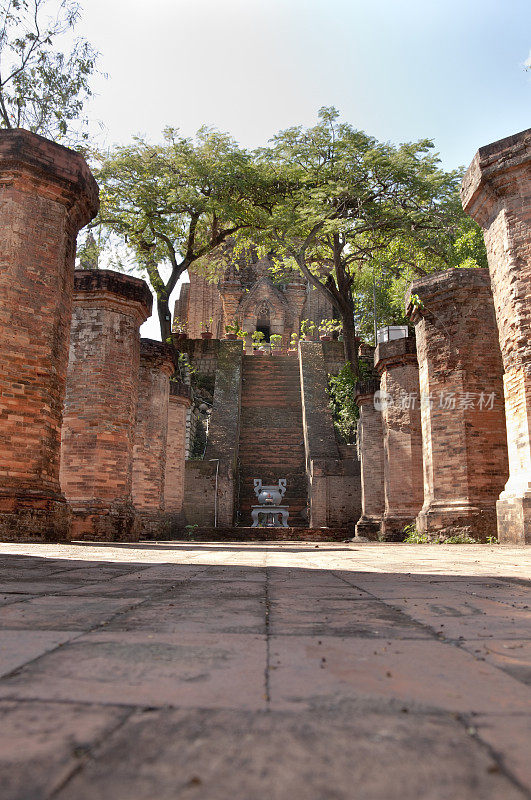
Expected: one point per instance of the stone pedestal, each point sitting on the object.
(101, 403)
(496, 192)
(179, 403)
(396, 363)
(463, 421)
(370, 444)
(151, 434)
(47, 193)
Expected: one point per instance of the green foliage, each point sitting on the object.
(308, 328)
(350, 207)
(42, 87)
(294, 340)
(175, 203)
(276, 340)
(345, 412)
(189, 530)
(413, 536)
(207, 325)
(257, 337)
(330, 326)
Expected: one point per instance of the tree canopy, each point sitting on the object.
(172, 204)
(43, 87)
(349, 203)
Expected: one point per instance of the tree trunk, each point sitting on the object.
(163, 311)
(349, 341)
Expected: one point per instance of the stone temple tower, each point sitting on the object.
(247, 293)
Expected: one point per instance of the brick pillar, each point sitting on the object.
(463, 421)
(396, 363)
(370, 444)
(496, 192)
(231, 293)
(151, 433)
(179, 403)
(101, 403)
(47, 193)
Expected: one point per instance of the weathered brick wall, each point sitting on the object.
(463, 422)
(496, 192)
(370, 447)
(316, 307)
(334, 356)
(179, 404)
(396, 363)
(199, 493)
(101, 403)
(225, 425)
(46, 194)
(202, 354)
(151, 433)
(201, 300)
(334, 484)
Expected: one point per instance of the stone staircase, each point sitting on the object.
(271, 435)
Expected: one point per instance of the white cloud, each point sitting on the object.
(527, 63)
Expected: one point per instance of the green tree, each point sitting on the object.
(173, 204)
(345, 199)
(42, 88)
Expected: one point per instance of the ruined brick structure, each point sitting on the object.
(101, 403)
(370, 445)
(247, 294)
(157, 365)
(179, 403)
(396, 363)
(47, 194)
(496, 192)
(463, 422)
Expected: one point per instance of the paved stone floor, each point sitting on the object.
(277, 671)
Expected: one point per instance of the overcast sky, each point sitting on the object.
(450, 70)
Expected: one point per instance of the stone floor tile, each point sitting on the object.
(367, 618)
(58, 613)
(153, 669)
(510, 655)
(202, 614)
(325, 671)
(509, 736)
(216, 755)
(42, 744)
(470, 617)
(18, 647)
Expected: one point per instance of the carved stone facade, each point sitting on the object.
(248, 295)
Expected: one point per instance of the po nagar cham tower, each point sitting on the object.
(96, 427)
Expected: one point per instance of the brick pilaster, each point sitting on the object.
(370, 445)
(463, 422)
(396, 363)
(496, 192)
(151, 432)
(47, 193)
(101, 403)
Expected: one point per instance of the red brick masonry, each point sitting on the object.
(101, 403)
(396, 363)
(496, 192)
(463, 422)
(47, 193)
(151, 432)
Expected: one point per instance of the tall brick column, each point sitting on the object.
(396, 363)
(151, 433)
(496, 192)
(463, 421)
(179, 403)
(101, 403)
(370, 444)
(47, 193)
